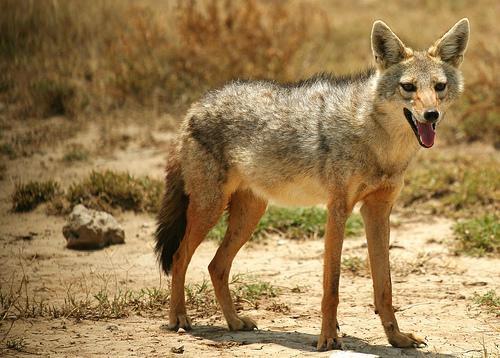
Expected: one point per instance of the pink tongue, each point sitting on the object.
(426, 133)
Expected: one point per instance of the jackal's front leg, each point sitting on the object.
(375, 211)
(334, 237)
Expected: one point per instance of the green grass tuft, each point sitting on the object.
(490, 300)
(27, 196)
(200, 295)
(244, 289)
(249, 289)
(292, 223)
(52, 98)
(478, 236)
(75, 153)
(355, 265)
(111, 190)
(456, 187)
(354, 225)
(16, 344)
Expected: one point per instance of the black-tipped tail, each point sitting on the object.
(172, 218)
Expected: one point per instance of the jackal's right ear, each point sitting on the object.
(387, 48)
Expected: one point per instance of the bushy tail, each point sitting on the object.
(171, 219)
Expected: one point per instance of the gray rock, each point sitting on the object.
(90, 229)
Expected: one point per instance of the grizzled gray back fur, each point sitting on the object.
(323, 128)
(297, 129)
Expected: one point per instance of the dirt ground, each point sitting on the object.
(433, 289)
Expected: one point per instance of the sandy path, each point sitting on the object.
(434, 299)
(432, 288)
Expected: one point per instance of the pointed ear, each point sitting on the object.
(451, 47)
(387, 48)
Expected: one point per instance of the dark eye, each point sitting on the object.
(440, 87)
(408, 87)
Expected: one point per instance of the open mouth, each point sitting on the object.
(425, 132)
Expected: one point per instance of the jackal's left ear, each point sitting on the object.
(387, 48)
(451, 47)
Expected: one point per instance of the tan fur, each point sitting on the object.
(245, 211)
(327, 140)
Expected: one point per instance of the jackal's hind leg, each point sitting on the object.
(245, 211)
(201, 217)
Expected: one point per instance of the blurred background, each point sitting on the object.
(86, 58)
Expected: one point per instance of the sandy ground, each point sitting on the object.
(433, 289)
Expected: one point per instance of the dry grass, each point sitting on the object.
(110, 190)
(162, 56)
(281, 308)
(453, 185)
(246, 290)
(478, 236)
(106, 190)
(249, 289)
(129, 53)
(355, 265)
(75, 153)
(33, 136)
(27, 196)
(291, 223)
(18, 302)
(424, 263)
(16, 344)
(489, 300)
(106, 299)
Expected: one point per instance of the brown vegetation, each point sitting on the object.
(133, 54)
(128, 54)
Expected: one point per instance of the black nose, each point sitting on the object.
(431, 115)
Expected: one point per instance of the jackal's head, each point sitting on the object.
(423, 83)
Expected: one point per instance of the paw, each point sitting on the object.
(329, 343)
(406, 340)
(242, 324)
(179, 321)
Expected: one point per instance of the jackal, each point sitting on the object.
(326, 140)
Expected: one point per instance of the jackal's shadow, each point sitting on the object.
(301, 341)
